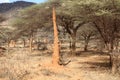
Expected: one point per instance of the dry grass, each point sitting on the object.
(19, 64)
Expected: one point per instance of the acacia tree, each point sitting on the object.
(6, 35)
(108, 27)
(70, 21)
(87, 33)
(4, 32)
(105, 16)
(30, 20)
(21, 30)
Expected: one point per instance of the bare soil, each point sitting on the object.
(19, 64)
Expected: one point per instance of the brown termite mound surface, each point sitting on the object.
(55, 56)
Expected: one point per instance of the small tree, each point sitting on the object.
(87, 33)
(6, 35)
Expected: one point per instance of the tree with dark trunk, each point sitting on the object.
(87, 33)
(108, 34)
(30, 43)
(104, 14)
(27, 24)
(68, 24)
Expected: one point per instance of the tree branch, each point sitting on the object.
(79, 25)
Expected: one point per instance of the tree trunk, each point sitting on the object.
(113, 57)
(110, 61)
(55, 59)
(24, 43)
(117, 44)
(73, 45)
(109, 48)
(86, 45)
(114, 63)
(8, 45)
(31, 41)
(70, 42)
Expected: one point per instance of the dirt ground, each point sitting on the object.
(19, 64)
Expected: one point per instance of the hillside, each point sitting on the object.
(10, 10)
(5, 7)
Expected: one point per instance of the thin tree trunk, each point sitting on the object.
(86, 46)
(111, 51)
(70, 43)
(109, 48)
(110, 61)
(55, 59)
(113, 57)
(8, 45)
(116, 44)
(24, 43)
(73, 45)
(114, 63)
(31, 40)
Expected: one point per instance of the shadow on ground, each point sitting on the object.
(90, 53)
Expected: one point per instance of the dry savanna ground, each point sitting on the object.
(19, 64)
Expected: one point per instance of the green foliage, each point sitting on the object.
(6, 34)
(88, 31)
(32, 18)
(70, 13)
